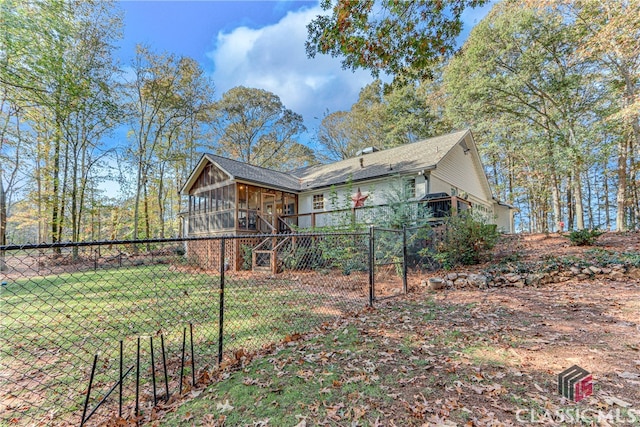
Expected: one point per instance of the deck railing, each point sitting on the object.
(432, 210)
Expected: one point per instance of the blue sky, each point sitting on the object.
(251, 43)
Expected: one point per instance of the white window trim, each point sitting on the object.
(320, 202)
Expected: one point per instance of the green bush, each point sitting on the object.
(465, 240)
(247, 257)
(306, 257)
(584, 237)
(345, 252)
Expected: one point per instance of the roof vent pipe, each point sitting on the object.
(367, 150)
(361, 162)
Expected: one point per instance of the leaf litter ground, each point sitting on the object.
(462, 357)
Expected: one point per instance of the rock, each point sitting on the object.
(616, 274)
(575, 271)
(634, 272)
(477, 280)
(582, 276)
(452, 276)
(595, 270)
(435, 284)
(512, 277)
(606, 270)
(617, 267)
(586, 271)
(450, 283)
(546, 279)
(519, 284)
(533, 279)
(463, 275)
(460, 282)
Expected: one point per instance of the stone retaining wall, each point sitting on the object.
(485, 279)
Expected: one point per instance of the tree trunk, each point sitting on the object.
(570, 217)
(555, 201)
(160, 199)
(3, 222)
(55, 189)
(147, 222)
(634, 191)
(589, 200)
(555, 185)
(577, 191)
(75, 227)
(621, 200)
(607, 204)
(626, 146)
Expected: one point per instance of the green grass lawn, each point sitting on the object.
(52, 327)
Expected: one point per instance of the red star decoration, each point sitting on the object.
(358, 199)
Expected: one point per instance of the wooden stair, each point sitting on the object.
(265, 255)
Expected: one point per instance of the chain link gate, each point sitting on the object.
(420, 246)
(388, 263)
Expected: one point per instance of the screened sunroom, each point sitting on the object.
(219, 203)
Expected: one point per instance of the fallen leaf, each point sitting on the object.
(292, 337)
(629, 375)
(611, 400)
(478, 390)
(223, 407)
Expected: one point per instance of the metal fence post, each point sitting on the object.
(371, 265)
(404, 259)
(221, 307)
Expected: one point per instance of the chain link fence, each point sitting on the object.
(103, 331)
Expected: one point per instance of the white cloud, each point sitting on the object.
(274, 58)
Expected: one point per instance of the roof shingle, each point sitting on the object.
(421, 155)
(405, 158)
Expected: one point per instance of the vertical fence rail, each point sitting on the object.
(372, 266)
(221, 303)
(404, 259)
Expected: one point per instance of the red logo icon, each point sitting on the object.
(575, 383)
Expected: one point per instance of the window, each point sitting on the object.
(242, 196)
(410, 188)
(318, 201)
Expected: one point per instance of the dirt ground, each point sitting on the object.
(533, 246)
(517, 340)
(592, 323)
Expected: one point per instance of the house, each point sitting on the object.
(444, 173)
